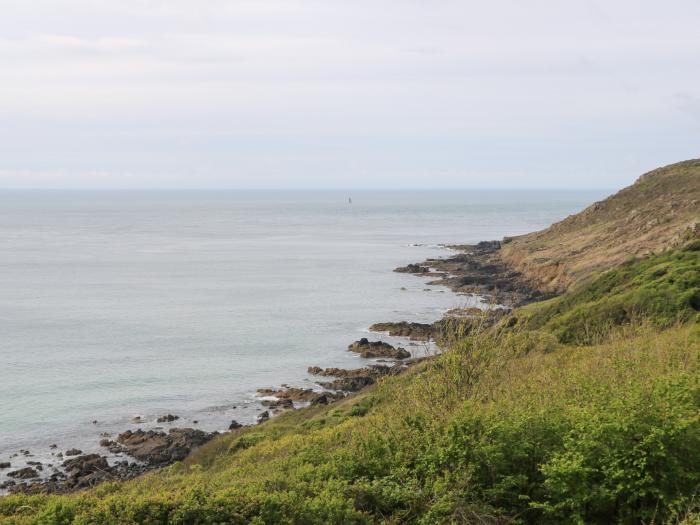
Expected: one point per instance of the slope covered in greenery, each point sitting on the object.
(493, 431)
(664, 289)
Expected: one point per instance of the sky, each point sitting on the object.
(378, 94)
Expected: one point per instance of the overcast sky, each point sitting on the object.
(376, 93)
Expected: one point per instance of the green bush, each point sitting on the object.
(663, 289)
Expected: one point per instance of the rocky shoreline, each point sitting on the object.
(476, 270)
(479, 270)
(151, 449)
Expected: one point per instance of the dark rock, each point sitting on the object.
(281, 404)
(167, 419)
(324, 398)
(87, 471)
(321, 399)
(263, 417)
(414, 331)
(371, 371)
(234, 425)
(5, 464)
(158, 448)
(372, 349)
(295, 394)
(24, 473)
(349, 384)
(413, 268)
(73, 452)
(480, 270)
(114, 448)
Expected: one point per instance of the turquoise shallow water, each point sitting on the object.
(115, 304)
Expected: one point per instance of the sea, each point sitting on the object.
(117, 304)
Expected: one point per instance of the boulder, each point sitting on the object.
(348, 384)
(284, 403)
(373, 371)
(24, 473)
(322, 399)
(413, 268)
(414, 331)
(294, 394)
(86, 471)
(168, 419)
(110, 445)
(371, 349)
(159, 448)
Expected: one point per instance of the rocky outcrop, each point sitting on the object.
(305, 395)
(414, 331)
(87, 471)
(480, 270)
(79, 472)
(167, 419)
(24, 473)
(373, 371)
(413, 268)
(284, 403)
(372, 349)
(353, 380)
(348, 384)
(159, 448)
(294, 394)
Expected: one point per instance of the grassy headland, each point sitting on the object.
(659, 212)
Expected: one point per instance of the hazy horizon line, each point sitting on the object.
(312, 189)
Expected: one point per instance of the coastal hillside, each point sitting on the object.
(597, 435)
(658, 212)
(579, 408)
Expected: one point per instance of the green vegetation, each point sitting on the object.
(663, 288)
(585, 410)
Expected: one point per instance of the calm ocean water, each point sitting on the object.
(116, 304)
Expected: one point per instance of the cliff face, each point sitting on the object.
(661, 210)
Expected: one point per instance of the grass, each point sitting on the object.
(602, 434)
(664, 288)
(534, 423)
